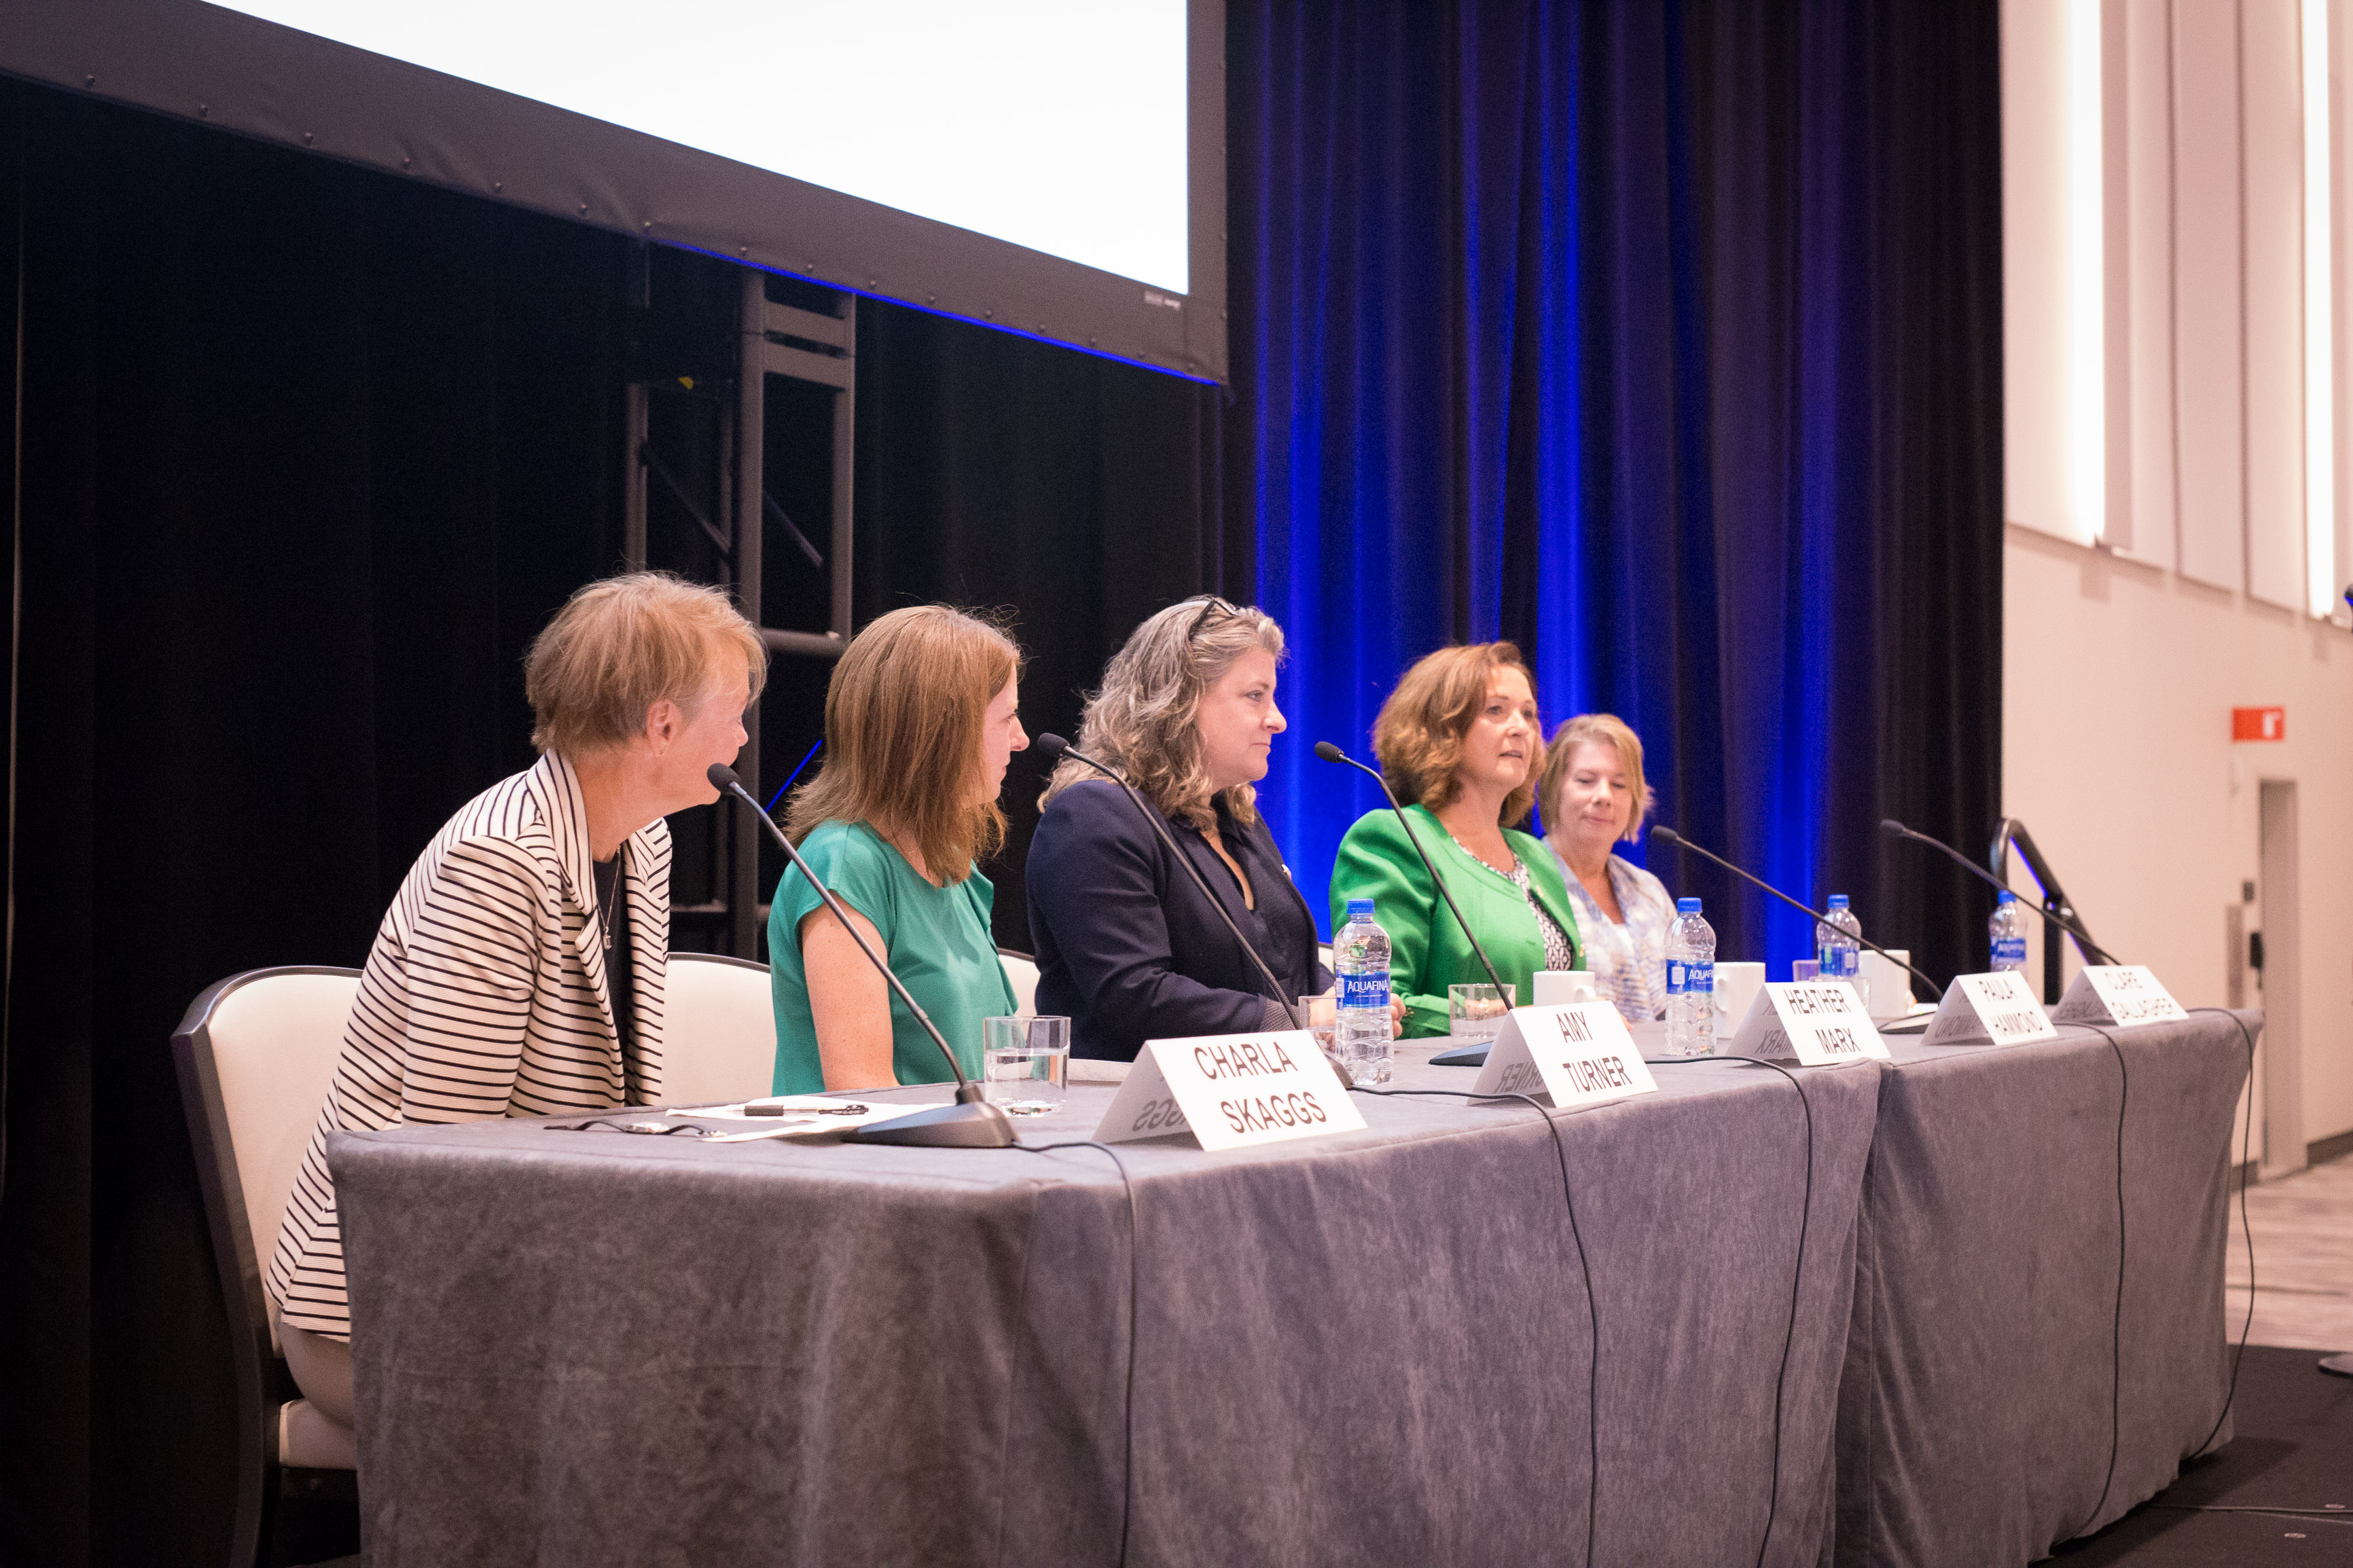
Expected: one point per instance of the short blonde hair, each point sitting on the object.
(1419, 735)
(905, 718)
(1141, 722)
(620, 646)
(1595, 729)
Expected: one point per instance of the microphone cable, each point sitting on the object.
(1127, 1441)
(1592, 1313)
(1797, 1276)
(2247, 1142)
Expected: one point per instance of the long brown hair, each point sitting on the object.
(1141, 722)
(1419, 735)
(903, 718)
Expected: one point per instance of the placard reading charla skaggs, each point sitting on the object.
(1823, 1023)
(2123, 994)
(1998, 1008)
(1230, 1091)
(1576, 1052)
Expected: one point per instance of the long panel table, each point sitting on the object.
(590, 1348)
(594, 1348)
(1993, 1355)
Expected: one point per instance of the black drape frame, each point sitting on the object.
(308, 453)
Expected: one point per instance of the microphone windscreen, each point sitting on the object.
(723, 777)
(1893, 828)
(1664, 834)
(1051, 747)
(1330, 752)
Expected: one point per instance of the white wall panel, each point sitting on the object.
(2034, 266)
(2208, 375)
(2142, 502)
(2272, 195)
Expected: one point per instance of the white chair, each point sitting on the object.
(254, 1054)
(1021, 974)
(719, 1033)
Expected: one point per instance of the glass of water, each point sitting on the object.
(1474, 1014)
(1025, 1064)
(1322, 1015)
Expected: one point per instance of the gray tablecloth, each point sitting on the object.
(592, 1348)
(1975, 1416)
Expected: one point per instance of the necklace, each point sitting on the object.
(605, 906)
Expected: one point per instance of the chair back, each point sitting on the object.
(254, 1054)
(1021, 974)
(719, 1030)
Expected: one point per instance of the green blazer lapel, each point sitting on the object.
(1544, 881)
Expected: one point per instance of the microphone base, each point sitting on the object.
(1461, 1056)
(979, 1125)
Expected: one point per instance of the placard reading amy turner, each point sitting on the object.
(1577, 1052)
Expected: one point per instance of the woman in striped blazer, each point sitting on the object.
(520, 970)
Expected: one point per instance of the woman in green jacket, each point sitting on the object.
(1460, 744)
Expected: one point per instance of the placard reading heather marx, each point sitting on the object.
(1230, 1092)
(1578, 1053)
(1821, 1023)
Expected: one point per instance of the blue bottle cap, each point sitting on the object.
(1838, 900)
(1686, 906)
(2005, 897)
(1362, 907)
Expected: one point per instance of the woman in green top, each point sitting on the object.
(920, 720)
(1459, 742)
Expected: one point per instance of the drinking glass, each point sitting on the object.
(1475, 1013)
(1322, 1016)
(1025, 1063)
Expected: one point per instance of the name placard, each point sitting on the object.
(2121, 994)
(1996, 1009)
(1230, 1092)
(1821, 1023)
(1578, 1053)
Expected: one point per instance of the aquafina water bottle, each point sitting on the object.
(1838, 944)
(1691, 983)
(2007, 930)
(1360, 957)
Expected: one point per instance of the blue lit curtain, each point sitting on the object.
(1662, 340)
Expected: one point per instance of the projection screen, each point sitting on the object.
(1052, 167)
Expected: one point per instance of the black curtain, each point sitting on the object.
(1075, 495)
(310, 453)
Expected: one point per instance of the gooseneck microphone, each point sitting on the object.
(1332, 754)
(1053, 748)
(1894, 829)
(1668, 835)
(972, 1122)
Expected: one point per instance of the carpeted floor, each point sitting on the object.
(2293, 1448)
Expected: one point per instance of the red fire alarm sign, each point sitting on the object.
(2259, 723)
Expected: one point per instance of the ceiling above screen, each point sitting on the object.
(1052, 167)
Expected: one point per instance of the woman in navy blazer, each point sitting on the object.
(1127, 947)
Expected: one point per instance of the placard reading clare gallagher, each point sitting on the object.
(1823, 1023)
(1576, 1052)
(2120, 993)
(1230, 1092)
(1998, 1009)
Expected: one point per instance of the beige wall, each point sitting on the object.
(2118, 678)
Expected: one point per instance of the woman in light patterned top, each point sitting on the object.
(1593, 797)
